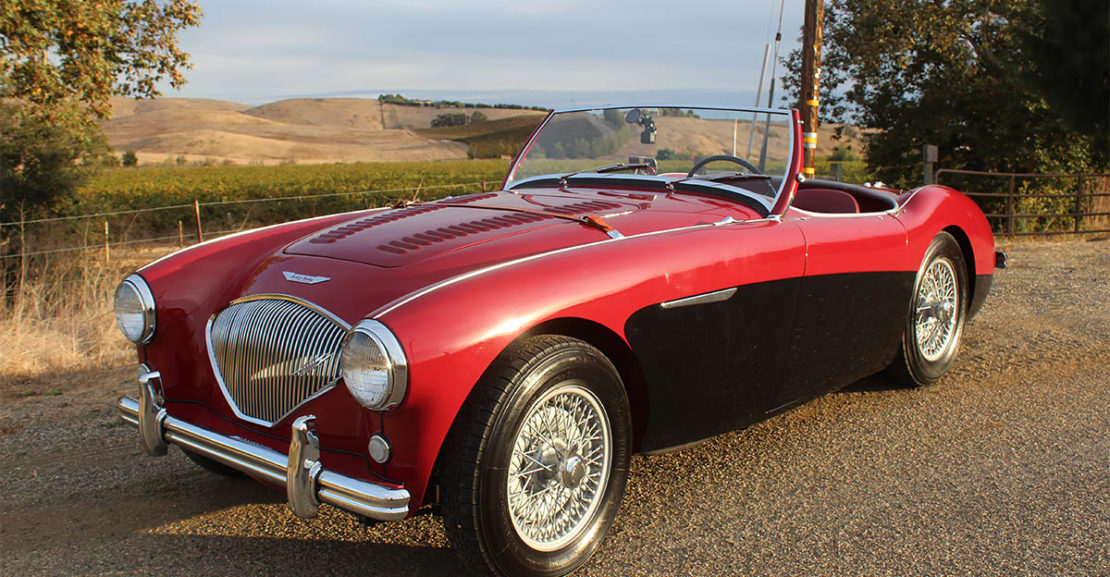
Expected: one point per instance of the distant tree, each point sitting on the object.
(613, 117)
(129, 158)
(60, 63)
(449, 119)
(478, 116)
(948, 73)
(685, 113)
(395, 99)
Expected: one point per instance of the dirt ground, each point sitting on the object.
(1001, 469)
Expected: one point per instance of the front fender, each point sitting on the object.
(453, 333)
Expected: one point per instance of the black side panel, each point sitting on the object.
(712, 367)
(847, 326)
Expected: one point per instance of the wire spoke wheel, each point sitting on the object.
(559, 467)
(535, 466)
(937, 312)
(935, 315)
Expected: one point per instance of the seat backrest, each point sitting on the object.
(825, 200)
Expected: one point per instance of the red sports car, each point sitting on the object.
(648, 278)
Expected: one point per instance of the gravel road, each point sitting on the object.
(1001, 469)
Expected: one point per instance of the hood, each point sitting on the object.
(503, 225)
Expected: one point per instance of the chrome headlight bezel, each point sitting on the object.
(394, 369)
(135, 288)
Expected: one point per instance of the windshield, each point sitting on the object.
(745, 150)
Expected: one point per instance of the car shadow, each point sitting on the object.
(179, 516)
(277, 557)
(876, 383)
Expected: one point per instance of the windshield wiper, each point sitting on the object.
(719, 178)
(606, 168)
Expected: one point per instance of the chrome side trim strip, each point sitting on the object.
(898, 209)
(713, 297)
(812, 214)
(347, 493)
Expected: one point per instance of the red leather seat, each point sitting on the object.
(825, 200)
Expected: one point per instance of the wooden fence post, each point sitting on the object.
(22, 272)
(196, 212)
(180, 234)
(1078, 203)
(1010, 209)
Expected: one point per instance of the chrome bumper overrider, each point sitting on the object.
(307, 483)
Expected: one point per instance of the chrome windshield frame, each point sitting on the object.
(775, 206)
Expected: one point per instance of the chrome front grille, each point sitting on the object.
(272, 353)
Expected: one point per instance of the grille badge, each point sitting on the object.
(312, 364)
(304, 278)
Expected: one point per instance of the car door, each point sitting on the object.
(852, 302)
(712, 353)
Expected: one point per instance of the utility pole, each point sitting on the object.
(928, 171)
(811, 78)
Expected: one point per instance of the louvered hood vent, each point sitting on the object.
(402, 236)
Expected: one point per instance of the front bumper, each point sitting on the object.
(307, 483)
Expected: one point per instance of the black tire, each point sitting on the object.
(212, 466)
(511, 420)
(938, 307)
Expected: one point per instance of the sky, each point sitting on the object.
(562, 53)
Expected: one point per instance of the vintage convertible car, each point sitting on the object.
(639, 284)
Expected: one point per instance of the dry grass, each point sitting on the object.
(58, 323)
(301, 131)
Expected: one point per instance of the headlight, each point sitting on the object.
(134, 304)
(374, 366)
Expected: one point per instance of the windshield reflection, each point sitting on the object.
(745, 149)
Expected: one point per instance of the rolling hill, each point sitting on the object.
(303, 131)
(327, 130)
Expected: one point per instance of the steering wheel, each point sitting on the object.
(701, 164)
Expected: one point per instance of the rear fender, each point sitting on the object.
(932, 209)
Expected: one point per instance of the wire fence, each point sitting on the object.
(197, 214)
(1015, 203)
(49, 254)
